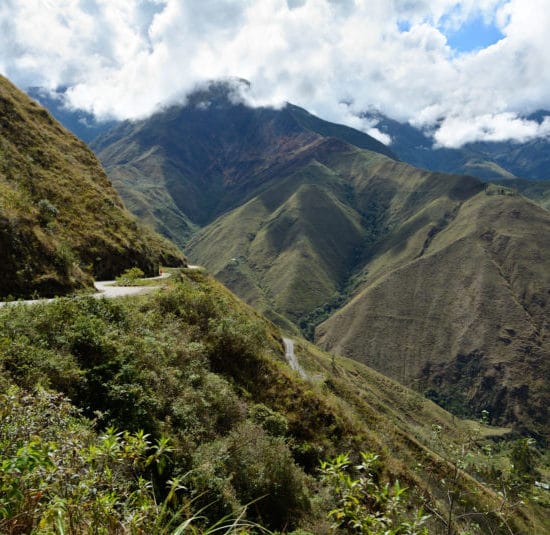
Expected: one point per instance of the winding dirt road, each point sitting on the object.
(291, 358)
(104, 289)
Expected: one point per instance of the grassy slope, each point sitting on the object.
(445, 273)
(292, 245)
(318, 219)
(298, 224)
(86, 233)
(204, 348)
(465, 316)
(536, 190)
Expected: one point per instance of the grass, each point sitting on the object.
(61, 221)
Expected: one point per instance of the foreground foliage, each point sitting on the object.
(182, 413)
(366, 506)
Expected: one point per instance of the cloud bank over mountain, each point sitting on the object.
(337, 58)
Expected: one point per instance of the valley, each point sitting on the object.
(439, 281)
(423, 297)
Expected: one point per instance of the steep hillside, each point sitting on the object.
(205, 376)
(188, 164)
(300, 217)
(295, 246)
(61, 221)
(440, 269)
(464, 319)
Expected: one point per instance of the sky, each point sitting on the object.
(461, 70)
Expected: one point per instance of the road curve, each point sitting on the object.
(104, 289)
(291, 358)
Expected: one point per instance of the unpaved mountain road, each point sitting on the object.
(104, 289)
(291, 358)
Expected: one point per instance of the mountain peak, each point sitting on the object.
(219, 93)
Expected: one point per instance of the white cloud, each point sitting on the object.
(125, 58)
(456, 131)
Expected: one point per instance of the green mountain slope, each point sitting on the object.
(447, 277)
(299, 224)
(61, 221)
(297, 244)
(288, 250)
(195, 365)
(195, 162)
(465, 318)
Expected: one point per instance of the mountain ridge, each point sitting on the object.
(303, 226)
(488, 160)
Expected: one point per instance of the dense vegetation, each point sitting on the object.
(182, 411)
(439, 281)
(61, 221)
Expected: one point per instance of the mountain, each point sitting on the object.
(427, 277)
(82, 124)
(61, 221)
(187, 165)
(461, 315)
(445, 278)
(486, 160)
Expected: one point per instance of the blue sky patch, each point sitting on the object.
(403, 25)
(475, 34)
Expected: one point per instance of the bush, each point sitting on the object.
(251, 468)
(47, 212)
(272, 422)
(130, 277)
(363, 505)
(58, 476)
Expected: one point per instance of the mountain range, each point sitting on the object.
(437, 280)
(485, 159)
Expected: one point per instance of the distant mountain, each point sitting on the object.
(446, 283)
(61, 221)
(82, 124)
(416, 273)
(185, 166)
(486, 160)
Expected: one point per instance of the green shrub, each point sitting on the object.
(272, 422)
(262, 474)
(130, 277)
(58, 476)
(47, 212)
(363, 504)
